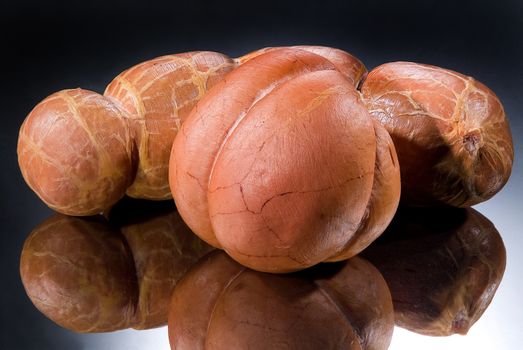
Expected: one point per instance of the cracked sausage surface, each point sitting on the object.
(282, 166)
(450, 131)
(81, 152)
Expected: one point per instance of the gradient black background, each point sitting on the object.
(52, 45)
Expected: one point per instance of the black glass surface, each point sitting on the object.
(49, 46)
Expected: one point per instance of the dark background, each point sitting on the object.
(52, 45)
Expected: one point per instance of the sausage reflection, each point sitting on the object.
(442, 265)
(220, 304)
(98, 275)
